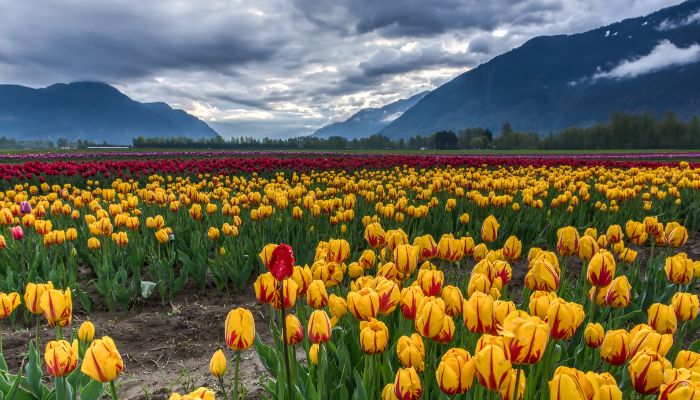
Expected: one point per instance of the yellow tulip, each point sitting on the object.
(313, 354)
(319, 328)
(265, 288)
(677, 236)
(407, 385)
(450, 248)
(217, 365)
(607, 385)
(86, 332)
(614, 233)
(619, 293)
(685, 306)
(571, 384)
(389, 295)
(290, 290)
(679, 269)
(364, 303)
(564, 319)
(646, 371)
(239, 329)
(411, 352)
(338, 250)
(374, 336)
(295, 332)
(374, 235)
(430, 281)
(61, 358)
(662, 318)
(478, 313)
(337, 306)
(430, 316)
(567, 241)
(507, 392)
(406, 258)
(615, 347)
(489, 229)
(427, 246)
(302, 277)
(526, 337)
(316, 295)
(540, 301)
(601, 269)
(455, 373)
(492, 367)
(388, 392)
(542, 275)
(648, 339)
(57, 307)
(32, 296)
(213, 233)
(102, 361)
(501, 310)
(512, 249)
(594, 334)
(410, 298)
(453, 299)
(680, 390)
(367, 259)
(636, 232)
(689, 360)
(201, 393)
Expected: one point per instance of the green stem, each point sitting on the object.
(321, 374)
(0, 336)
(113, 390)
(222, 385)
(59, 332)
(237, 362)
(38, 321)
(517, 384)
(284, 344)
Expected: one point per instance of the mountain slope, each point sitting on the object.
(90, 111)
(550, 83)
(369, 121)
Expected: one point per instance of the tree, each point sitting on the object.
(62, 142)
(506, 129)
(445, 140)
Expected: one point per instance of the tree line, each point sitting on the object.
(623, 131)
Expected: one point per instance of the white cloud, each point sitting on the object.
(392, 117)
(664, 55)
(667, 25)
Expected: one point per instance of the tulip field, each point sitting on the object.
(339, 276)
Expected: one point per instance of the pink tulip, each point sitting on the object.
(17, 232)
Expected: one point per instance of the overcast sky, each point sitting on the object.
(276, 67)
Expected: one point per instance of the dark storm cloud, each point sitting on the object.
(276, 66)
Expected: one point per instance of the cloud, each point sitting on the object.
(664, 55)
(277, 67)
(667, 25)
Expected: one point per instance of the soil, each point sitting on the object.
(168, 348)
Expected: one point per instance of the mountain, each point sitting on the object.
(550, 83)
(369, 121)
(90, 111)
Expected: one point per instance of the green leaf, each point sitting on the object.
(360, 392)
(695, 346)
(33, 371)
(92, 391)
(267, 354)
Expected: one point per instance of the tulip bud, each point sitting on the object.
(455, 373)
(489, 229)
(430, 281)
(374, 235)
(239, 329)
(478, 313)
(364, 304)
(593, 335)
(86, 332)
(217, 365)
(313, 354)
(688, 359)
(677, 236)
(614, 233)
(388, 392)
(102, 361)
(289, 292)
(615, 347)
(407, 384)
(389, 295)
(662, 318)
(619, 293)
(406, 258)
(430, 317)
(57, 307)
(542, 275)
(492, 367)
(337, 306)
(427, 246)
(319, 328)
(61, 358)
(646, 371)
(540, 301)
